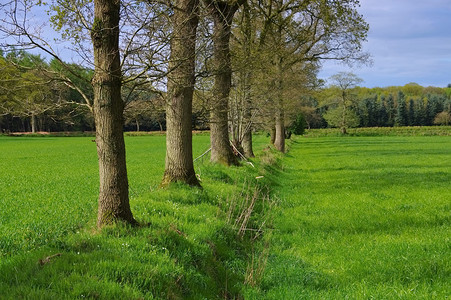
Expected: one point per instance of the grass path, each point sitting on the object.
(362, 217)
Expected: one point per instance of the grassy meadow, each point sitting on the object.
(334, 218)
(187, 246)
(362, 218)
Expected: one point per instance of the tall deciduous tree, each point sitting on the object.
(343, 116)
(179, 154)
(222, 13)
(296, 32)
(27, 91)
(108, 111)
(243, 109)
(76, 19)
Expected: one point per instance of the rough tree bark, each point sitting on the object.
(222, 13)
(246, 138)
(272, 131)
(108, 112)
(279, 138)
(179, 153)
(247, 114)
(33, 123)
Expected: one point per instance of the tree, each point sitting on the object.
(134, 111)
(382, 113)
(99, 38)
(368, 112)
(443, 118)
(243, 111)
(343, 119)
(222, 13)
(419, 113)
(179, 155)
(390, 111)
(433, 107)
(108, 112)
(298, 125)
(28, 90)
(343, 116)
(401, 111)
(303, 33)
(411, 113)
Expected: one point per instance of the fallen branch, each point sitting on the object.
(48, 258)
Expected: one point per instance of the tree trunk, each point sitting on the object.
(246, 136)
(221, 151)
(33, 123)
(247, 144)
(137, 125)
(108, 112)
(279, 141)
(343, 116)
(272, 133)
(247, 113)
(179, 153)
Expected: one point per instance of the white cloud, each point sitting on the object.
(410, 42)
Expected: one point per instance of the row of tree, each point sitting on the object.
(32, 101)
(242, 58)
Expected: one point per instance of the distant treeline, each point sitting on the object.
(409, 105)
(33, 99)
(389, 110)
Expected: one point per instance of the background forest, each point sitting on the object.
(33, 100)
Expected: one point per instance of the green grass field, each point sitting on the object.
(186, 246)
(351, 218)
(362, 218)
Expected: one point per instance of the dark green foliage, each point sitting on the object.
(419, 113)
(411, 105)
(390, 104)
(401, 111)
(368, 112)
(298, 125)
(411, 113)
(434, 105)
(382, 115)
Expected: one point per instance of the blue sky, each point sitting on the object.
(409, 40)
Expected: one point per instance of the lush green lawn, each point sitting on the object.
(361, 218)
(186, 244)
(356, 217)
(49, 185)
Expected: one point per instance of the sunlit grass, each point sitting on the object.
(356, 217)
(184, 245)
(363, 218)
